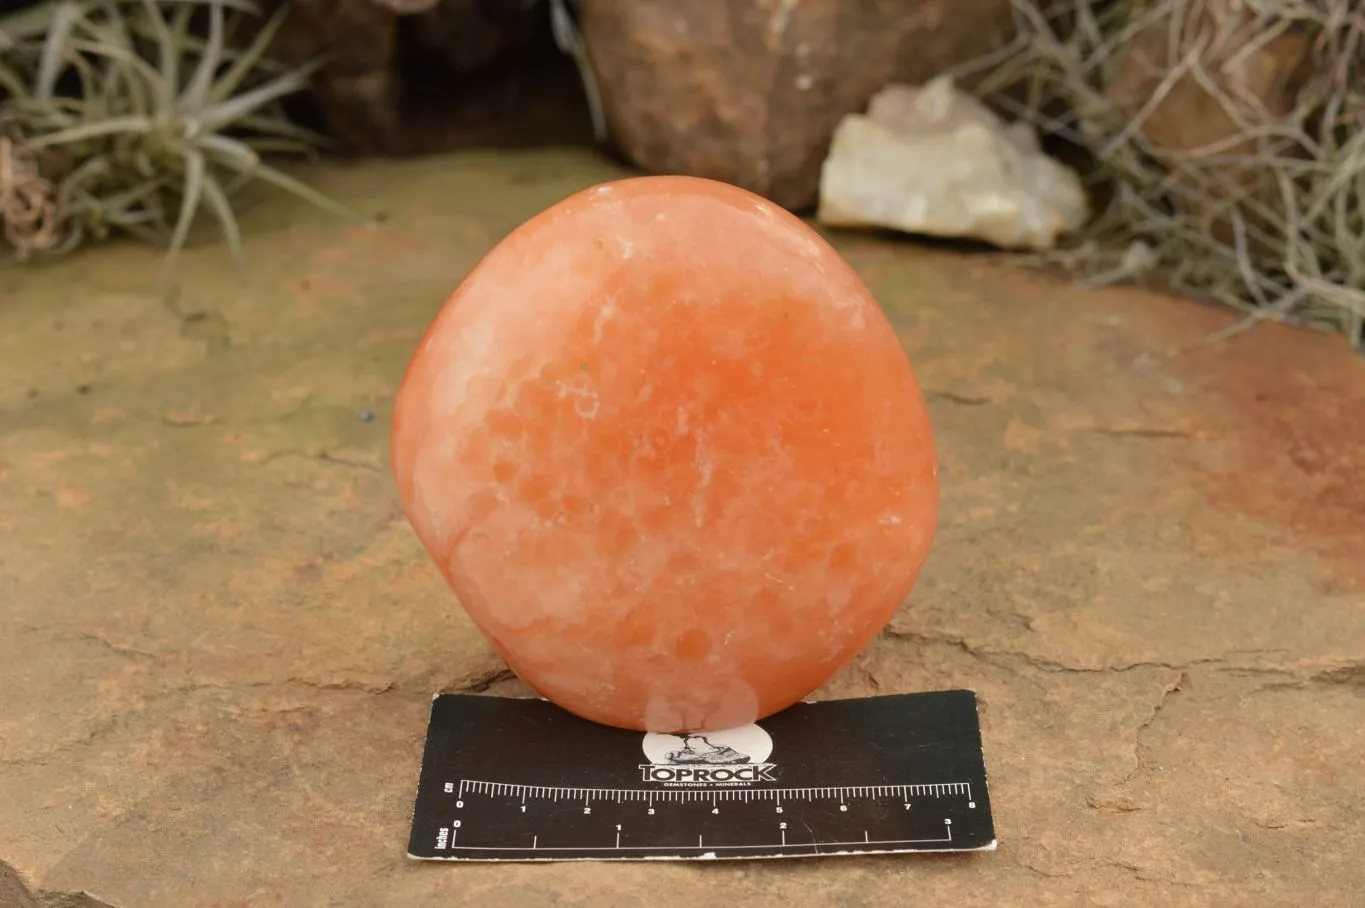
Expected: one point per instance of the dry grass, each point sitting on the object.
(1227, 139)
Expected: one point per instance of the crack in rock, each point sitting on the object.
(1042, 663)
(98, 731)
(1141, 873)
(308, 406)
(1139, 764)
(1352, 674)
(109, 724)
(1171, 690)
(324, 456)
(1139, 432)
(1046, 874)
(15, 893)
(954, 397)
(871, 679)
(480, 682)
(130, 652)
(344, 684)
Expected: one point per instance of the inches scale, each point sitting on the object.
(521, 780)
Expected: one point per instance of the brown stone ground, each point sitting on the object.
(220, 638)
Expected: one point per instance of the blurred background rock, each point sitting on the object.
(1212, 147)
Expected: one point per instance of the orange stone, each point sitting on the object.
(669, 454)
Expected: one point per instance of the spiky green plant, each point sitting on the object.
(136, 124)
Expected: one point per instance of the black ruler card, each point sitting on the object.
(522, 780)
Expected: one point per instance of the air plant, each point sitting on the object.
(1268, 217)
(120, 119)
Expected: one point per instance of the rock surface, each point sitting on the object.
(935, 161)
(219, 637)
(750, 93)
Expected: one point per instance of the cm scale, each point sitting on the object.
(522, 780)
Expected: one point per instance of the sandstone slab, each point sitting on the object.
(219, 638)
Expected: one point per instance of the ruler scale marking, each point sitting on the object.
(496, 789)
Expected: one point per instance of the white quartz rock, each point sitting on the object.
(935, 161)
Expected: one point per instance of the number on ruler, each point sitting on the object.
(715, 810)
(523, 808)
(781, 825)
(459, 803)
(651, 811)
(843, 807)
(456, 824)
(779, 808)
(587, 810)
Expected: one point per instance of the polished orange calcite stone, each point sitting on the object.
(669, 454)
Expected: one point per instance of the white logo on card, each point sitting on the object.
(735, 756)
